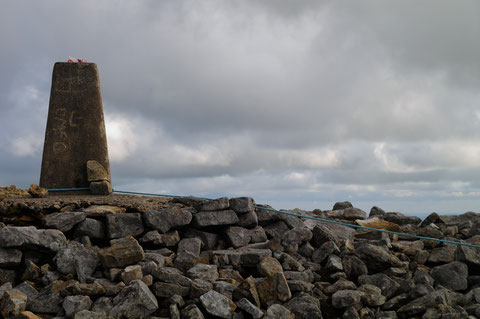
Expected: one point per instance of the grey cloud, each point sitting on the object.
(252, 82)
(432, 36)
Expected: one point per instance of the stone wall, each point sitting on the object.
(192, 258)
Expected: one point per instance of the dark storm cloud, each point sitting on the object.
(311, 97)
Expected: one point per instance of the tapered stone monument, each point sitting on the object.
(75, 130)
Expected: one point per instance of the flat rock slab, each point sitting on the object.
(349, 214)
(103, 210)
(203, 204)
(215, 218)
(248, 257)
(29, 236)
(165, 219)
(378, 224)
(38, 206)
(63, 221)
(165, 289)
(214, 204)
(10, 257)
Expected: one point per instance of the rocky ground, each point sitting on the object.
(122, 256)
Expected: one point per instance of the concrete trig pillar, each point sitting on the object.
(75, 130)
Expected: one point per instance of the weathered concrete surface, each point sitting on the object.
(75, 127)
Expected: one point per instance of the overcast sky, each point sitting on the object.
(295, 103)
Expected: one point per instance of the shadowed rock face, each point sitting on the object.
(75, 130)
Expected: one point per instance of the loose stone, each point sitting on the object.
(122, 225)
(168, 218)
(12, 303)
(74, 304)
(135, 301)
(214, 218)
(122, 252)
(250, 308)
(217, 304)
(50, 239)
(345, 298)
(187, 253)
(63, 221)
(10, 257)
(242, 204)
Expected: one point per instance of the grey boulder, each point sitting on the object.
(10, 257)
(167, 218)
(346, 298)
(63, 221)
(451, 276)
(135, 301)
(203, 271)
(277, 311)
(29, 236)
(242, 204)
(304, 306)
(122, 225)
(74, 304)
(77, 259)
(187, 253)
(90, 227)
(215, 218)
(217, 304)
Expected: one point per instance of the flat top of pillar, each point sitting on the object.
(75, 64)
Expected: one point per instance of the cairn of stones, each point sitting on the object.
(227, 258)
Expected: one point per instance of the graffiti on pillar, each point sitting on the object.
(60, 130)
(59, 147)
(74, 119)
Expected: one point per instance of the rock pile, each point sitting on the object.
(12, 190)
(227, 258)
